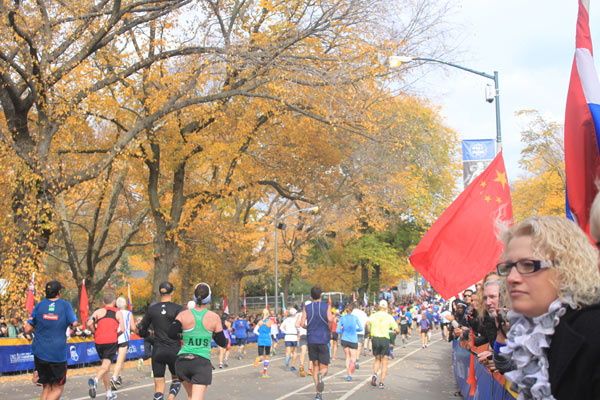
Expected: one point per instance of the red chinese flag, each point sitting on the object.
(462, 245)
(84, 305)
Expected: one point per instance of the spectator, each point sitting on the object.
(552, 277)
(12, 328)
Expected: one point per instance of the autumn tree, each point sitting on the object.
(541, 189)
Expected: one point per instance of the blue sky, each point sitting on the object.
(530, 43)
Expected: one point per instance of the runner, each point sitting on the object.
(274, 332)
(404, 328)
(363, 318)
(199, 326)
(107, 324)
(445, 318)
(317, 320)
(123, 343)
(380, 323)
(302, 340)
(425, 327)
(263, 328)
(349, 325)
(288, 327)
(241, 329)
(49, 320)
(333, 343)
(164, 349)
(224, 351)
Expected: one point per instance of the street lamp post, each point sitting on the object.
(277, 219)
(396, 61)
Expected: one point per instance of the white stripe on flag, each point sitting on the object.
(587, 75)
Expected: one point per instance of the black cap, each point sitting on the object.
(166, 288)
(52, 288)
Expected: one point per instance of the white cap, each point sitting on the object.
(293, 311)
(383, 304)
(191, 304)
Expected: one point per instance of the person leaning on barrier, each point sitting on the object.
(551, 274)
(459, 326)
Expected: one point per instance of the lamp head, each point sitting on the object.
(396, 61)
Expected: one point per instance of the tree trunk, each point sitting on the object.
(233, 300)
(375, 282)
(287, 280)
(364, 280)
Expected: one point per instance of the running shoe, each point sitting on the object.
(319, 396)
(320, 383)
(292, 369)
(140, 364)
(374, 380)
(220, 365)
(240, 357)
(287, 361)
(352, 367)
(357, 365)
(349, 378)
(119, 380)
(302, 373)
(256, 361)
(111, 396)
(92, 389)
(113, 383)
(381, 385)
(310, 371)
(265, 376)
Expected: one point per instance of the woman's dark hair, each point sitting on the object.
(201, 292)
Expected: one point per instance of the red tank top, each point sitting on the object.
(107, 327)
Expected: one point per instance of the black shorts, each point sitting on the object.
(163, 357)
(381, 346)
(124, 344)
(404, 329)
(361, 337)
(349, 345)
(334, 336)
(198, 371)
(424, 330)
(241, 341)
(264, 350)
(291, 343)
(106, 351)
(318, 352)
(50, 372)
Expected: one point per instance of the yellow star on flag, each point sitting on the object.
(483, 184)
(501, 178)
(498, 200)
(487, 198)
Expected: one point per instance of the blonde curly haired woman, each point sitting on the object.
(551, 273)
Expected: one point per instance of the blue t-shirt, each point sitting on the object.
(241, 328)
(348, 326)
(51, 319)
(409, 315)
(264, 334)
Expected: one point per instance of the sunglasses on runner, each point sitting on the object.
(525, 266)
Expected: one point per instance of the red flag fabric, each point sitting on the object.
(30, 300)
(225, 306)
(84, 304)
(462, 245)
(582, 130)
(472, 379)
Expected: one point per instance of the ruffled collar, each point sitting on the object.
(526, 343)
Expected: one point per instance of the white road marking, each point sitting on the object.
(221, 371)
(357, 387)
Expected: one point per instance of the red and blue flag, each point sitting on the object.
(582, 126)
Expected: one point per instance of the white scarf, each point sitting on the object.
(526, 343)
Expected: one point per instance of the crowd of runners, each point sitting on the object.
(179, 338)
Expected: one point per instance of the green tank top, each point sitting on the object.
(197, 340)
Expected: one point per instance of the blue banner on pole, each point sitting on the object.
(479, 149)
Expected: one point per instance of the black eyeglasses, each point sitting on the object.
(524, 266)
